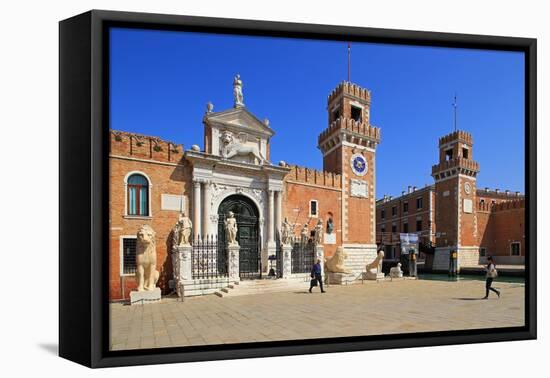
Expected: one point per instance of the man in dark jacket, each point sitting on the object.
(316, 276)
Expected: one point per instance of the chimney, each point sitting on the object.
(403, 193)
(517, 194)
(391, 198)
(486, 189)
(497, 190)
(409, 189)
(414, 188)
(507, 192)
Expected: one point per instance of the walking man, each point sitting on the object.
(491, 275)
(316, 277)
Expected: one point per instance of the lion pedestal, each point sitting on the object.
(374, 269)
(337, 273)
(145, 297)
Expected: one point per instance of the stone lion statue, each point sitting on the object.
(336, 264)
(147, 274)
(231, 148)
(376, 265)
(396, 272)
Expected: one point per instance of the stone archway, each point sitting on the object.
(248, 233)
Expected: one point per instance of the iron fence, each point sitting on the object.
(208, 258)
(303, 257)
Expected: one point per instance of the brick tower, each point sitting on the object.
(349, 145)
(455, 191)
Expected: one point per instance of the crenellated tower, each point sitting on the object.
(455, 187)
(348, 146)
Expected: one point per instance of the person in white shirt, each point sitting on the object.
(490, 276)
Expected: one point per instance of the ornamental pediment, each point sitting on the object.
(239, 120)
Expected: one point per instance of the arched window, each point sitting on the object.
(138, 195)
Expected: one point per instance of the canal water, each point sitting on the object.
(468, 277)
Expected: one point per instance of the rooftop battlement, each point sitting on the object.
(144, 146)
(351, 89)
(459, 135)
(314, 177)
(358, 129)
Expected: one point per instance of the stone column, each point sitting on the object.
(287, 263)
(196, 209)
(271, 220)
(278, 212)
(233, 262)
(206, 209)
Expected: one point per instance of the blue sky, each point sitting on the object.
(161, 82)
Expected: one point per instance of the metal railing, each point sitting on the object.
(208, 258)
(303, 257)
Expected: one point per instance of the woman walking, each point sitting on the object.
(491, 275)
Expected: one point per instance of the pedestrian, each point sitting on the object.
(490, 276)
(316, 276)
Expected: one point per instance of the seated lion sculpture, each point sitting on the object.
(147, 274)
(375, 267)
(336, 264)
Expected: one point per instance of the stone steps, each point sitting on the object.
(263, 287)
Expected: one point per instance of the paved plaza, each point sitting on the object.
(364, 309)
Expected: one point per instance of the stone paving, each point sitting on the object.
(364, 309)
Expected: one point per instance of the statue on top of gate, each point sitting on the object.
(231, 229)
(182, 231)
(287, 232)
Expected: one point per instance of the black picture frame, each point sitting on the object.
(83, 159)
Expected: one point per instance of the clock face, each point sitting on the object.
(359, 165)
(467, 188)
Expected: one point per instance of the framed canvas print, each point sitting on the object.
(234, 188)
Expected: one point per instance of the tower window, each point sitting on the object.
(465, 153)
(448, 154)
(336, 114)
(356, 113)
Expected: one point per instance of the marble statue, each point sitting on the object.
(286, 232)
(304, 234)
(209, 107)
(238, 91)
(230, 148)
(231, 229)
(182, 230)
(374, 269)
(396, 272)
(330, 226)
(147, 274)
(319, 232)
(336, 264)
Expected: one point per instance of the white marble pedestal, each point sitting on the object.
(233, 261)
(373, 276)
(340, 278)
(145, 297)
(287, 262)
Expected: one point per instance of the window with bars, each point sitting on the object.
(514, 249)
(129, 256)
(138, 195)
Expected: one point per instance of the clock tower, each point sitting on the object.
(348, 146)
(455, 189)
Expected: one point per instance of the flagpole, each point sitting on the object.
(349, 61)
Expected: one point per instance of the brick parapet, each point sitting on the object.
(458, 135)
(314, 177)
(359, 128)
(351, 89)
(144, 146)
(460, 162)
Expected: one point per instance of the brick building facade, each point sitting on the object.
(152, 181)
(453, 214)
